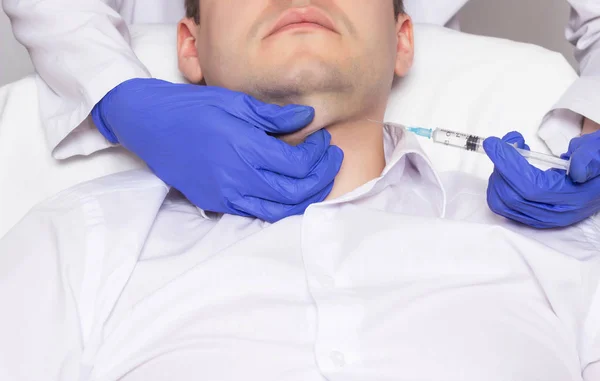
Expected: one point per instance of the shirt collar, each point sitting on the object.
(400, 149)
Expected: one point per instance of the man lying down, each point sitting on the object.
(403, 274)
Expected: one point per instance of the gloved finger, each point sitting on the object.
(271, 118)
(577, 142)
(585, 158)
(503, 204)
(539, 211)
(585, 165)
(290, 190)
(515, 137)
(298, 161)
(514, 168)
(273, 211)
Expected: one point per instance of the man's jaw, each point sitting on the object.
(330, 108)
(295, 138)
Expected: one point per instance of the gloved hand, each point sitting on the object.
(213, 145)
(544, 199)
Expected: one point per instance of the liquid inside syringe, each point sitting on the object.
(458, 139)
(474, 143)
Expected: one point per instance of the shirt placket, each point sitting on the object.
(337, 315)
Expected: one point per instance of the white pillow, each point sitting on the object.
(474, 84)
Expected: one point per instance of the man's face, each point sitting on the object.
(340, 60)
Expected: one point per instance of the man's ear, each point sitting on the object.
(187, 53)
(405, 52)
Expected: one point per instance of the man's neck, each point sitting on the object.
(364, 159)
(359, 138)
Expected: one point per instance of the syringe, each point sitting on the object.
(475, 143)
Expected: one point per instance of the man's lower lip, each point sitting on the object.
(302, 25)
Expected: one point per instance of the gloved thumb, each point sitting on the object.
(509, 163)
(273, 118)
(500, 152)
(585, 158)
(503, 154)
(516, 139)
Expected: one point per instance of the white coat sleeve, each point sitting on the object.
(81, 51)
(582, 99)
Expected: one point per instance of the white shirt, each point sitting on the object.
(409, 277)
(76, 74)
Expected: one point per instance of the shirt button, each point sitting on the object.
(337, 358)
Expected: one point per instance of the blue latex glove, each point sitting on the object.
(214, 146)
(544, 199)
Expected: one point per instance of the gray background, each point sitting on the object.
(536, 21)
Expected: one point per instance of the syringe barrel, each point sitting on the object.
(459, 140)
(475, 143)
(544, 161)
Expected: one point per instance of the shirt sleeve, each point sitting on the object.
(62, 270)
(582, 99)
(40, 323)
(81, 50)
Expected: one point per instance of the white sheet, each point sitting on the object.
(476, 84)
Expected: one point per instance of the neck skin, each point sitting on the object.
(362, 144)
(364, 159)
